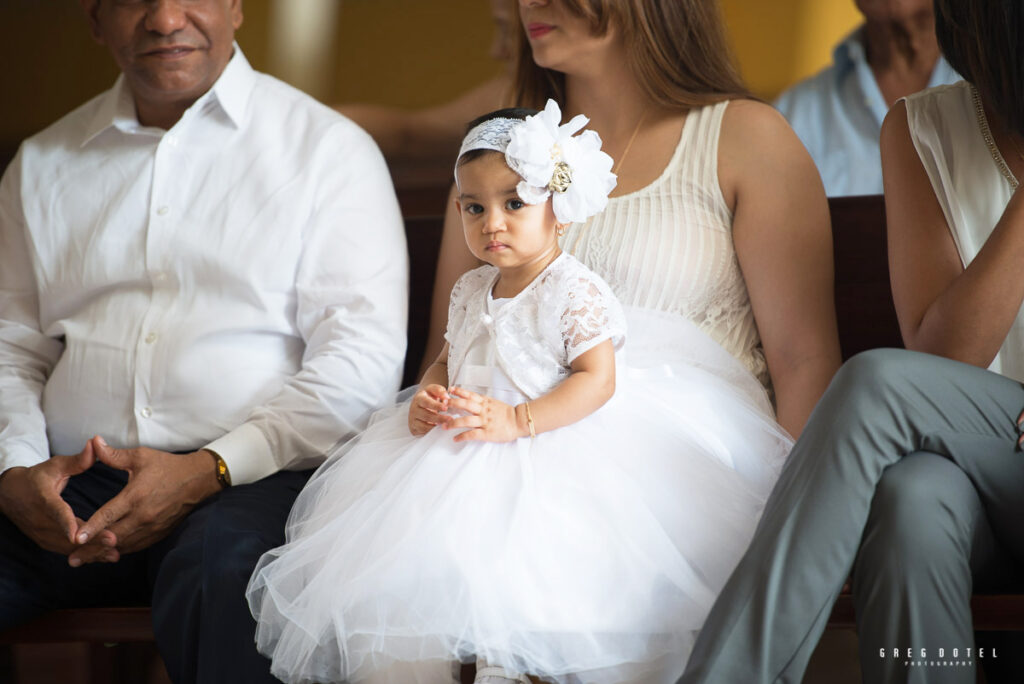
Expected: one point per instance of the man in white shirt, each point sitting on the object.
(205, 269)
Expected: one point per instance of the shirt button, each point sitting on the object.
(162, 211)
(159, 276)
(151, 338)
(146, 412)
(486, 319)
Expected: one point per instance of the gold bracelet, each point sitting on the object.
(529, 420)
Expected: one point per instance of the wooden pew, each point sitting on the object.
(866, 320)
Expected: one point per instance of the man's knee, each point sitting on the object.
(868, 394)
(220, 557)
(217, 546)
(200, 589)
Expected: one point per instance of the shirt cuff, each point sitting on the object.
(20, 458)
(247, 454)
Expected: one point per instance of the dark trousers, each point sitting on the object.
(194, 579)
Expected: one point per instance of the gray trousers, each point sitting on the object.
(907, 475)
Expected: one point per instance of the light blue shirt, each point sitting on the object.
(838, 115)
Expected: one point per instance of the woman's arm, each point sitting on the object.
(453, 259)
(942, 308)
(588, 387)
(434, 132)
(783, 241)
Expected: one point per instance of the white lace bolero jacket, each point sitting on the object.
(566, 311)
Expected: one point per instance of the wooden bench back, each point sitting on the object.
(863, 298)
(864, 308)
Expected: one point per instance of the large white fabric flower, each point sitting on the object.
(552, 160)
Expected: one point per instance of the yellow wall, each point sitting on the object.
(412, 52)
(49, 63)
(402, 52)
(779, 42)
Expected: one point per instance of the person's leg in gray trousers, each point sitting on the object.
(882, 406)
(927, 545)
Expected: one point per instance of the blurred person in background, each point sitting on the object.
(838, 113)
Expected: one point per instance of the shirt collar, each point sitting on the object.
(850, 57)
(234, 86)
(851, 50)
(116, 108)
(851, 60)
(231, 91)
(943, 73)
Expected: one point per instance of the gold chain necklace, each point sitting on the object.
(986, 133)
(629, 146)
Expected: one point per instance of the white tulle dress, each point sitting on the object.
(591, 553)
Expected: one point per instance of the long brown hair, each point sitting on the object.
(678, 53)
(984, 41)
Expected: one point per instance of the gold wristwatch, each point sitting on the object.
(223, 474)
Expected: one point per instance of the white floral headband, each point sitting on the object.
(551, 160)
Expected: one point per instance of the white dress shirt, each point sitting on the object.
(237, 282)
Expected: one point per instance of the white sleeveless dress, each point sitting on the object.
(972, 191)
(591, 554)
(667, 248)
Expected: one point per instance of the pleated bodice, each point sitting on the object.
(668, 246)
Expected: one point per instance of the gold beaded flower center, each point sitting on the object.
(561, 179)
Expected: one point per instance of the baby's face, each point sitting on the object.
(500, 228)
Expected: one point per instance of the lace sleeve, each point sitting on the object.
(456, 308)
(466, 286)
(592, 315)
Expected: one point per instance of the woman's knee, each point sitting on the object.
(869, 390)
(869, 373)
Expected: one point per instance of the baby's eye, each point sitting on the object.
(474, 209)
(515, 204)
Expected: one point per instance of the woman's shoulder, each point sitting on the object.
(928, 116)
(940, 94)
(949, 106)
(747, 122)
(758, 144)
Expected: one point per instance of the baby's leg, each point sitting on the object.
(422, 672)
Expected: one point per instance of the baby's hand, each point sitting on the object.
(488, 420)
(426, 408)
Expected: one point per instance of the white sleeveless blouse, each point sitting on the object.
(668, 246)
(972, 192)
